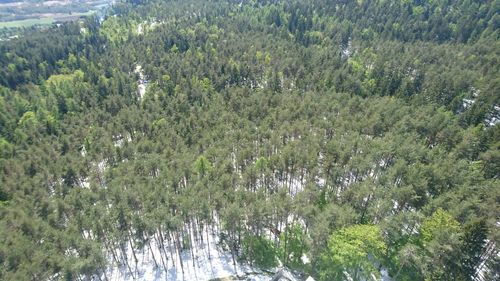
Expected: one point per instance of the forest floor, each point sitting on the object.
(218, 267)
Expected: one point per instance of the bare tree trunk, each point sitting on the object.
(133, 251)
(178, 249)
(99, 277)
(191, 242)
(104, 274)
(162, 252)
(152, 253)
(113, 254)
(208, 241)
(161, 247)
(199, 229)
(365, 207)
(285, 254)
(233, 252)
(124, 257)
(171, 249)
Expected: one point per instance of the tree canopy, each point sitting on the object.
(337, 138)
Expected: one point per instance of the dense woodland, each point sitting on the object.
(359, 133)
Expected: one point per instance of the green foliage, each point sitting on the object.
(202, 166)
(261, 164)
(439, 224)
(259, 251)
(6, 149)
(352, 117)
(28, 119)
(352, 251)
(439, 237)
(292, 246)
(473, 244)
(116, 30)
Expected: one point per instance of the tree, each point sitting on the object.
(353, 252)
(283, 121)
(292, 246)
(202, 166)
(439, 237)
(473, 245)
(259, 251)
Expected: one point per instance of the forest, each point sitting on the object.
(342, 140)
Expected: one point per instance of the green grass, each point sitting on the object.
(41, 21)
(26, 22)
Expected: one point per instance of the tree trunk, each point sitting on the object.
(365, 208)
(133, 251)
(191, 241)
(178, 249)
(152, 253)
(169, 239)
(208, 242)
(285, 254)
(124, 257)
(233, 254)
(104, 274)
(161, 247)
(162, 252)
(107, 246)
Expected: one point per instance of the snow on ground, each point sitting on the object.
(220, 265)
(148, 25)
(305, 259)
(347, 50)
(493, 117)
(142, 82)
(101, 166)
(83, 151)
(140, 29)
(320, 182)
(384, 274)
(467, 103)
(84, 183)
(119, 140)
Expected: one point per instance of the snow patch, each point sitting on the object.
(83, 151)
(493, 117)
(120, 140)
(101, 166)
(347, 50)
(141, 82)
(305, 259)
(84, 183)
(219, 265)
(467, 103)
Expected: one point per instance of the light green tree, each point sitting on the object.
(352, 252)
(202, 166)
(440, 240)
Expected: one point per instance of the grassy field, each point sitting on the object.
(27, 22)
(42, 21)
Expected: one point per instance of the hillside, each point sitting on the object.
(20, 16)
(11, 10)
(195, 140)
